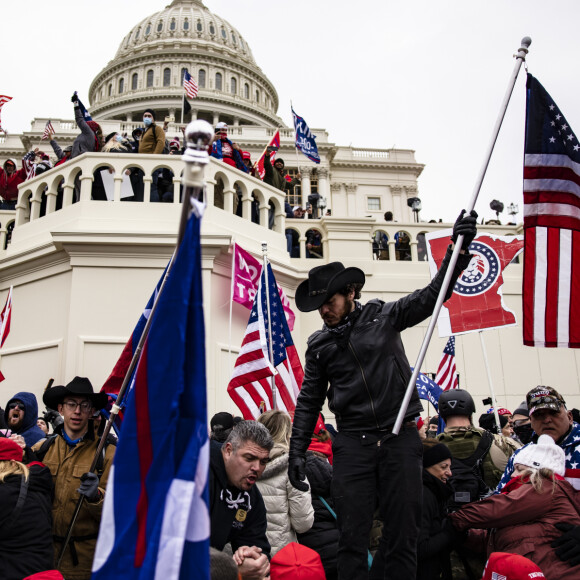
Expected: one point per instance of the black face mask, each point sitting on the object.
(524, 433)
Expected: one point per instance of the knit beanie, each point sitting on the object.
(543, 454)
(9, 449)
(151, 111)
(435, 454)
(522, 409)
(502, 565)
(487, 421)
(296, 562)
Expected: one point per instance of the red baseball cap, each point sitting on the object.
(48, 575)
(296, 562)
(505, 566)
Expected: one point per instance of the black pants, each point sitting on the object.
(363, 470)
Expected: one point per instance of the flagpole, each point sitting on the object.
(520, 58)
(182, 107)
(198, 134)
(270, 346)
(491, 391)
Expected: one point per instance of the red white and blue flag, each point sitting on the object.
(48, 131)
(251, 384)
(189, 85)
(3, 100)
(5, 318)
(305, 139)
(477, 301)
(155, 522)
(275, 142)
(446, 376)
(551, 281)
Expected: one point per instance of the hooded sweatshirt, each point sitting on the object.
(29, 430)
(9, 183)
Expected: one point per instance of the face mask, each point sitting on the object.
(118, 138)
(147, 121)
(524, 433)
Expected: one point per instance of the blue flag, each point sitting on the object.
(305, 140)
(84, 110)
(428, 390)
(155, 522)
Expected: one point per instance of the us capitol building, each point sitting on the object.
(83, 273)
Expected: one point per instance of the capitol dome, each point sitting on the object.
(147, 71)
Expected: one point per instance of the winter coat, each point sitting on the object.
(524, 522)
(153, 140)
(274, 178)
(86, 141)
(9, 183)
(365, 364)
(288, 510)
(26, 534)
(67, 465)
(434, 543)
(322, 537)
(237, 517)
(571, 446)
(29, 429)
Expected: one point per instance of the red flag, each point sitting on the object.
(251, 382)
(446, 376)
(3, 100)
(5, 317)
(275, 142)
(247, 272)
(477, 301)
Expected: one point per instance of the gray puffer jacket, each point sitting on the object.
(289, 511)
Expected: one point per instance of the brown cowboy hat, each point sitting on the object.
(323, 282)
(78, 387)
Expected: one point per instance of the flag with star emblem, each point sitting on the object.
(251, 384)
(477, 299)
(446, 376)
(551, 282)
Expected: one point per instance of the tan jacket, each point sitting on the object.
(152, 141)
(67, 466)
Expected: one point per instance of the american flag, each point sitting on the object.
(189, 85)
(48, 131)
(446, 376)
(251, 381)
(3, 100)
(5, 318)
(551, 281)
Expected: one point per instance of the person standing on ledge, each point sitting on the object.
(359, 362)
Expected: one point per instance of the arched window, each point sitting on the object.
(258, 96)
(211, 28)
(218, 81)
(121, 85)
(201, 78)
(149, 78)
(246, 91)
(182, 74)
(148, 30)
(234, 86)
(199, 26)
(166, 77)
(160, 26)
(134, 81)
(186, 24)
(172, 24)
(110, 89)
(224, 33)
(234, 39)
(137, 33)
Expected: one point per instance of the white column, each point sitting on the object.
(305, 173)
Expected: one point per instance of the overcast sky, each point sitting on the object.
(424, 75)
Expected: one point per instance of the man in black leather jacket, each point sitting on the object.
(358, 361)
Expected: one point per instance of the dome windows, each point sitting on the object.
(234, 39)
(212, 29)
(224, 33)
(234, 86)
(218, 81)
(138, 33)
(160, 26)
(257, 96)
(149, 78)
(246, 91)
(199, 26)
(134, 81)
(148, 30)
(121, 85)
(201, 78)
(166, 77)
(186, 24)
(110, 89)
(172, 24)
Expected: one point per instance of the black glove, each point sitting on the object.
(466, 226)
(456, 538)
(89, 486)
(568, 544)
(297, 474)
(74, 99)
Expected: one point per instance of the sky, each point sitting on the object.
(415, 74)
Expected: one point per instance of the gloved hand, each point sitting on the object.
(568, 544)
(297, 473)
(74, 99)
(89, 486)
(456, 537)
(466, 226)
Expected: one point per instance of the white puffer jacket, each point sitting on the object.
(289, 511)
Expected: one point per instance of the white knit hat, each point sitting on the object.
(545, 453)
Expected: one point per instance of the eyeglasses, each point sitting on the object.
(85, 406)
(16, 406)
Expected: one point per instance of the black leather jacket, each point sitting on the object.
(368, 370)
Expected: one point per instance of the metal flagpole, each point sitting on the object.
(270, 346)
(198, 135)
(520, 58)
(491, 392)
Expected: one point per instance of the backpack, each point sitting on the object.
(467, 479)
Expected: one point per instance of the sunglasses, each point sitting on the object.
(16, 406)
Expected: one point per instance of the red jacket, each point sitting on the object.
(525, 523)
(9, 183)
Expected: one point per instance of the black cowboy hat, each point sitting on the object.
(323, 282)
(79, 387)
